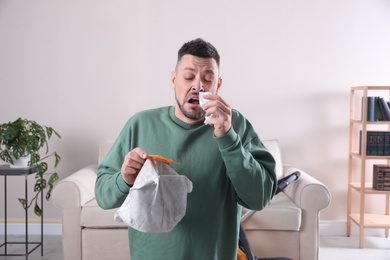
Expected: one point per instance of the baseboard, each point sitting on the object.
(339, 228)
(33, 229)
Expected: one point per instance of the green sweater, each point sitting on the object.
(226, 172)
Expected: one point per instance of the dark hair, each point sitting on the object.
(199, 48)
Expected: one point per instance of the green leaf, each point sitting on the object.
(39, 130)
(53, 178)
(48, 194)
(37, 210)
(42, 168)
(57, 134)
(40, 184)
(34, 158)
(2, 155)
(5, 156)
(18, 150)
(49, 131)
(10, 133)
(24, 203)
(58, 159)
(32, 143)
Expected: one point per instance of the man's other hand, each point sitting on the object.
(132, 165)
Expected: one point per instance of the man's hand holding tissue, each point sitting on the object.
(132, 164)
(221, 113)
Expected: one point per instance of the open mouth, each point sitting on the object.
(194, 101)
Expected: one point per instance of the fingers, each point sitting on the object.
(222, 114)
(216, 105)
(132, 165)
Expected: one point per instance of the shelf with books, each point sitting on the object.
(367, 131)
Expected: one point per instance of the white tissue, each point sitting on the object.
(202, 102)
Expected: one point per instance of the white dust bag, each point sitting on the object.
(158, 199)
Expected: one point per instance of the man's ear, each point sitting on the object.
(173, 80)
(219, 85)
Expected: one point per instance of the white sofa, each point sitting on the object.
(288, 227)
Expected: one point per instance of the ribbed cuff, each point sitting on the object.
(227, 140)
(122, 185)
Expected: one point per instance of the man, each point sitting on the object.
(225, 160)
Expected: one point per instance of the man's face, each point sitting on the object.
(193, 75)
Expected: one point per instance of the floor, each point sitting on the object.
(332, 248)
(51, 248)
(347, 248)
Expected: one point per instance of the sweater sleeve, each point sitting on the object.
(110, 188)
(249, 166)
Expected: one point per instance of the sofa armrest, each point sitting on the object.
(311, 196)
(75, 190)
(69, 195)
(307, 192)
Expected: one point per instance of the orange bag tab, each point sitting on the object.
(162, 159)
(241, 255)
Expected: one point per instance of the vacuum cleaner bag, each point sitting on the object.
(158, 199)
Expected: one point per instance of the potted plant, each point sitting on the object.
(25, 138)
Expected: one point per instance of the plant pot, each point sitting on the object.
(22, 162)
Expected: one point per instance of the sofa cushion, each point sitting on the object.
(93, 216)
(103, 244)
(280, 214)
(274, 147)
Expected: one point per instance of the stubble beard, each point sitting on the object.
(192, 114)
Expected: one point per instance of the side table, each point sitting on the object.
(6, 170)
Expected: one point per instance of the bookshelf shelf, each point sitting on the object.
(367, 188)
(360, 217)
(372, 220)
(358, 121)
(369, 157)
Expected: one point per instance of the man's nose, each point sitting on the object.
(198, 86)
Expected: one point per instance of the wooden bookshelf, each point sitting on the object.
(362, 188)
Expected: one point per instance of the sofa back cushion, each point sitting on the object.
(272, 145)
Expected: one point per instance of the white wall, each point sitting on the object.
(84, 67)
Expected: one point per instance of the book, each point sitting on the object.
(387, 144)
(378, 109)
(383, 110)
(372, 143)
(372, 108)
(377, 143)
(381, 177)
(380, 143)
